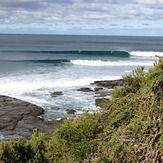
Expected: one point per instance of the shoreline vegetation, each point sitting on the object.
(128, 128)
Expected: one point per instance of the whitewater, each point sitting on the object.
(34, 66)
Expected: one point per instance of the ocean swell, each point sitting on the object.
(76, 52)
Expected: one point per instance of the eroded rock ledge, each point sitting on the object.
(109, 83)
(19, 118)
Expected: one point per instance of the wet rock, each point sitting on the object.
(98, 89)
(56, 94)
(104, 93)
(85, 89)
(70, 111)
(19, 118)
(109, 83)
(54, 122)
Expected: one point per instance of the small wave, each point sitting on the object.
(108, 63)
(56, 61)
(146, 53)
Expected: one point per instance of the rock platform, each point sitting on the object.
(20, 118)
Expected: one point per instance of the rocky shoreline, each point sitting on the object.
(20, 118)
(103, 88)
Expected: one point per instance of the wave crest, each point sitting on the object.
(109, 63)
(146, 53)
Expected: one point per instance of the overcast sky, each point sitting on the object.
(96, 17)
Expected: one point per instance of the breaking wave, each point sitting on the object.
(146, 53)
(109, 63)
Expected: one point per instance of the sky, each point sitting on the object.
(85, 17)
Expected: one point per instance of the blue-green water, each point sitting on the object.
(33, 66)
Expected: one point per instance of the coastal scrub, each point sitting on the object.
(128, 128)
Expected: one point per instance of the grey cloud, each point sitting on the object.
(25, 5)
(145, 24)
(76, 7)
(114, 25)
(70, 12)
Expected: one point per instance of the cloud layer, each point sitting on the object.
(70, 16)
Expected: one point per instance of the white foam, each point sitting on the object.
(24, 85)
(2, 137)
(146, 53)
(36, 88)
(110, 63)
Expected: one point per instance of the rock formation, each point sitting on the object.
(19, 118)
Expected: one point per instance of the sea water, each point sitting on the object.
(34, 66)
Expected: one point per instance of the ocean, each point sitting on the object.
(34, 66)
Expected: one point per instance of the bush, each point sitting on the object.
(75, 138)
(134, 128)
(37, 143)
(16, 150)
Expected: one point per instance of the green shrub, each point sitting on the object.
(37, 143)
(134, 128)
(16, 150)
(76, 138)
(133, 83)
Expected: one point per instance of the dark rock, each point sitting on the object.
(54, 122)
(56, 94)
(98, 89)
(109, 83)
(19, 118)
(104, 93)
(70, 111)
(102, 102)
(85, 89)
